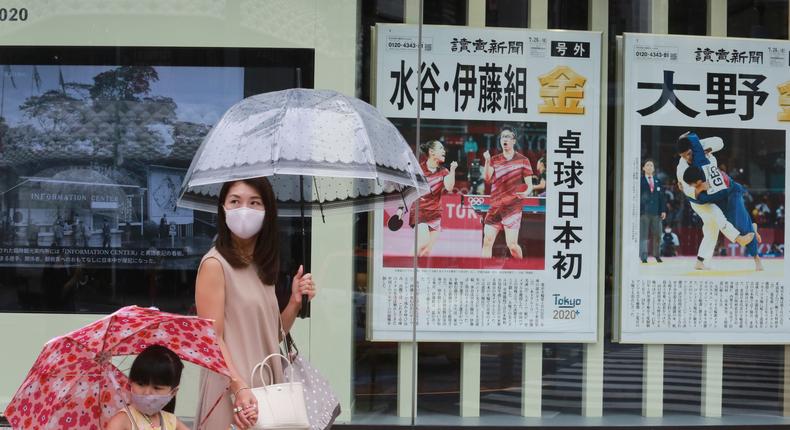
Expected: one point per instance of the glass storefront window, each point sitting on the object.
(507, 13)
(569, 14)
(762, 19)
(96, 144)
(447, 12)
(685, 17)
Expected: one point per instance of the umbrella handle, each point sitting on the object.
(304, 312)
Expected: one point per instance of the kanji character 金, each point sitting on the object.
(562, 90)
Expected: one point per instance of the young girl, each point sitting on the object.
(154, 380)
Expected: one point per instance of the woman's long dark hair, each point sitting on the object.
(157, 365)
(266, 255)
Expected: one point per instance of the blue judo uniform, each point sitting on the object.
(729, 196)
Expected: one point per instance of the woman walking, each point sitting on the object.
(235, 288)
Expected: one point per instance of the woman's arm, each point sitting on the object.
(302, 285)
(289, 314)
(210, 302)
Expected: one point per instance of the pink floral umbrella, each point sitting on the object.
(74, 385)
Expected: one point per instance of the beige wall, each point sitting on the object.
(327, 27)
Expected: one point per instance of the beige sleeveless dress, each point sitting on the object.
(251, 333)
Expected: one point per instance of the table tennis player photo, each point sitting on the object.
(485, 209)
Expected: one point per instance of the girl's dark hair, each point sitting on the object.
(157, 365)
(426, 146)
(266, 255)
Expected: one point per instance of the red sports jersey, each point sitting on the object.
(508, 176)
(430, 204)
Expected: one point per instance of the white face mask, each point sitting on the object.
(150, 404)
(244, 222)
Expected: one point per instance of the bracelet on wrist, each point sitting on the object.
(235, 384)
(240, 390)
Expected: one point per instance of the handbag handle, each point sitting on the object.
(260, 372)
(288, 346)
(263, 363)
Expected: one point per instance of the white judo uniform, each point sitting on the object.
(713, 219)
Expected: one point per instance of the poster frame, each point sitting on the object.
(596, 233)
(677, 336)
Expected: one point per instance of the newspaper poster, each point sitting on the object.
(703, 190)
(506, 241)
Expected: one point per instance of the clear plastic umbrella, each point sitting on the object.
(319, 148)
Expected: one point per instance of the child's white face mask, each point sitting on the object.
(151, 404)
(244, 222)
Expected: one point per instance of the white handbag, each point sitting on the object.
(280, 406)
